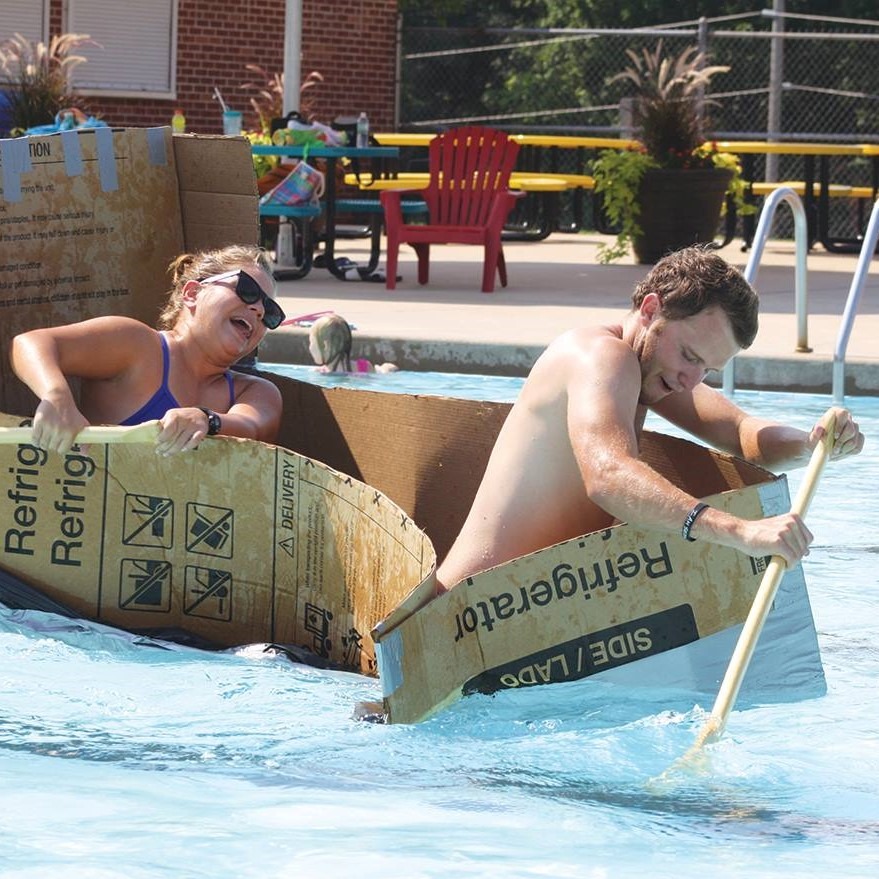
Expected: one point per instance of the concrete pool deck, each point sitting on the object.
(450, 326)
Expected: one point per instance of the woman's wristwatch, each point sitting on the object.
(214, 422)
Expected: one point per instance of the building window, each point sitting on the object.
(25, 17)
(136, 51)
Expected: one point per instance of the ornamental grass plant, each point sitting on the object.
(268, 104)
(37, 77)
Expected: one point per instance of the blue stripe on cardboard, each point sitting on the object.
(156, 149)
(72, 152)
(106, 159)
(15, 160)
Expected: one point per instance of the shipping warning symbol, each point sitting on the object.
(148, 521)
(209, 530)
(208, 593)
(145, 585)
(288, 544)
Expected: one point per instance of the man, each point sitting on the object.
(566, 460)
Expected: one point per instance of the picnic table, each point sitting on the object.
(816, 188)
(385, 156)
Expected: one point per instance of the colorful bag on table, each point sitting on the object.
(303, 185)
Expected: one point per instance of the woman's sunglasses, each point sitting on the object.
(249, 292)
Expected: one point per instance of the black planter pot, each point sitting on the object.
(678, 208)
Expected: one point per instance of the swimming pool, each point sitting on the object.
(121, 759)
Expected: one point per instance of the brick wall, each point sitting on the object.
(354, 48)
(352, 43)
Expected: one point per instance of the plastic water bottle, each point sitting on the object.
(362, 131)
(178, 122)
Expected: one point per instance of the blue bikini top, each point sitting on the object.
(163, 399)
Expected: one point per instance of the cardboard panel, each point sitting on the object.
(207, 163)
(238, 542)
(90, 220)
(88, 224)
(218, 194)
(215, 219)
(427, 454)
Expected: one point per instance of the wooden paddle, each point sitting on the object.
(137, 433)
(744, 650)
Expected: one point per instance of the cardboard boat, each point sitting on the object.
(329, 540)
(238, 543)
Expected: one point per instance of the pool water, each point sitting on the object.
(118, 759)
(405, 381)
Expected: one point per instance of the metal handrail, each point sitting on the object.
(801, 240)
(859, 279)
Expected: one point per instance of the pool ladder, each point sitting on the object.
(859, 281)
(801, 241)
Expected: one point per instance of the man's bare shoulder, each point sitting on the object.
(586, 338)
(579, 362)
(594, 346)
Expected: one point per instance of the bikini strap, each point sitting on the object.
(231, 382)
(166, 361)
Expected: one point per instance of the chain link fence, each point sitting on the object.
(791, 77)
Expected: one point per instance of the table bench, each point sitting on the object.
(534, 228)
(762, 189)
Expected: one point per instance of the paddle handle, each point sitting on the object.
(137, 433)
(745, 646)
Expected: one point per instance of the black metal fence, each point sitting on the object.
(791, 77)
(821, 74)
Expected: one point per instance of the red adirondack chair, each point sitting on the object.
(468, 201)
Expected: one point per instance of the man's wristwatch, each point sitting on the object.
(214, 422)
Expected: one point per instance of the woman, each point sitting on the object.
(219, 308)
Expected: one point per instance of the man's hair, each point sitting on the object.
(695, 278)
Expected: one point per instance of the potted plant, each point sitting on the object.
(669, 191)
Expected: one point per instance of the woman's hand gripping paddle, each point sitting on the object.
(137, 433)
(744, 650)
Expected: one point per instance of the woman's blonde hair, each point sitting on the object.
(193, 266)
(333, 337)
